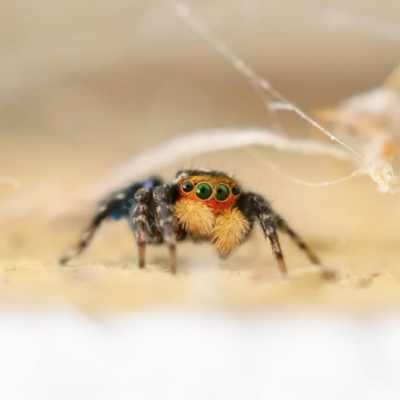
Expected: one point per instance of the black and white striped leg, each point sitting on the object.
(268, 226)
(87, 235)
(258, 207)
(116, 206)
(138, 222)
(284, 227)
(162, 198)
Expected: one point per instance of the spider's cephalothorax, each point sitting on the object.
(199, 205)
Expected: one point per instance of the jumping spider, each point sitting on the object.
(203, 206)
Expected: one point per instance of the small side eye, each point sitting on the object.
(204, 191)
(222, 192)
(235, 190)
(187, 186)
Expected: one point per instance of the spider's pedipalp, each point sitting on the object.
(163, 202)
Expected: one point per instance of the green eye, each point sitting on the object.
(204, 191)
(222, 192)
(235, 190)
(187, 186)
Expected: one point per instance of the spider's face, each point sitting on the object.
(216, 192)
(202, 197)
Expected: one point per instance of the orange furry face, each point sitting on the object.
(218, 193)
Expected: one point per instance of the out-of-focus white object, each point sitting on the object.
(175, 355)
(6, 180)
(206, 141)
(370, 124)
(340, 20)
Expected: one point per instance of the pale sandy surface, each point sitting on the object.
(101, 88)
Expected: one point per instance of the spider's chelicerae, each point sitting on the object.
(203, 206)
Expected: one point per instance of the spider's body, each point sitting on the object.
(200, 206)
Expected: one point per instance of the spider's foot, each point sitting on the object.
(329, 274)
(173, 259)
(68, 256)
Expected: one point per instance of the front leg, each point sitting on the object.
(138, 220)
(163, 202)
(254, 206)
(269, 227)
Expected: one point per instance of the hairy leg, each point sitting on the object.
(163, 202)
(255, 206)
(284, 227)
(115, 206)
(86, 237)
(269, 229)
(138, 220)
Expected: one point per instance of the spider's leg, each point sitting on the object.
(163, 202)
(85, 239)
(115, 206)
(254, 205)
(138, 221)
(283, 226)
(105, 210)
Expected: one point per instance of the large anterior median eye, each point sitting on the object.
(187, 186)
(222, 192)
(204, 191)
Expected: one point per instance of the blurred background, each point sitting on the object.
(85, 85)
(107, 80)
